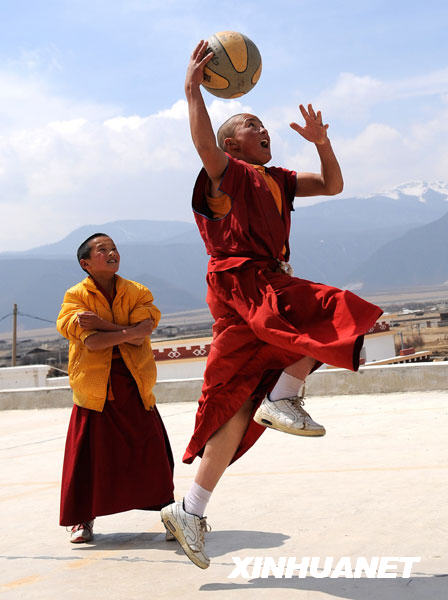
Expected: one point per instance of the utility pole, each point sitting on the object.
(14, 336)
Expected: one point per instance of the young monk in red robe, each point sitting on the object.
(117, 454)
(271, 329)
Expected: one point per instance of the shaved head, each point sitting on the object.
(227, 129)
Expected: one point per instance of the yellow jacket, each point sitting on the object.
(89, 369)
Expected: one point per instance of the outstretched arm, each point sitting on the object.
(213, 158)
(329, 182)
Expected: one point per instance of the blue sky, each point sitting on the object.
(93, 123)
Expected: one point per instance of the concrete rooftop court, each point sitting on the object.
(375, 485)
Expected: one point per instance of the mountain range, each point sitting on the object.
(385, 241)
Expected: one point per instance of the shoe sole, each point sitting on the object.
(170, 525)
(303, 432)
(81, 541)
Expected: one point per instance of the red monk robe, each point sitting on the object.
(265, 320)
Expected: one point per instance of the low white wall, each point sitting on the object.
(182, 369)
(57, 381)
(379, 379)
(24, 376)
(325, 382)
(179, 390)
(37, 397)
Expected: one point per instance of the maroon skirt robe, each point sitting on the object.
(265, 320)
(118, 459)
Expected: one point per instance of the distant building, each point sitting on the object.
(39, 356)
(443, 317)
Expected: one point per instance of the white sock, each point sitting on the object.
(287, 386)
(196, 500)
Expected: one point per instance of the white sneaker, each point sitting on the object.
(188, 530)
(288, 415)
(82, 533)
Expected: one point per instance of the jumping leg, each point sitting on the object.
(185, 519)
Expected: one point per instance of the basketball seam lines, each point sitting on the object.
(230, 60)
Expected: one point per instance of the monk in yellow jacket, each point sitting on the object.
(117, 454)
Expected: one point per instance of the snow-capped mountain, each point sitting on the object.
(394, 238)
(422, 190)
(331, 240)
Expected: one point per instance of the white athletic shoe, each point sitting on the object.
(82, 533)
(188, 530)
(288, 415)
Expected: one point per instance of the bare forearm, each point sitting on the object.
(137, 342)
(332, 180)
(109, 326)
(213, 158)
(200, 124)
(107, 339)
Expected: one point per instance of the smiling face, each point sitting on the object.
(104, 259)
(250, 140)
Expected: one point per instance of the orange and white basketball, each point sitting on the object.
(235, 67)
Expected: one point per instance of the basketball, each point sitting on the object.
(235, 67)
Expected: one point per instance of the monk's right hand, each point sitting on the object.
(198, 60)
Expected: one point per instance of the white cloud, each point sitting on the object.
(368, 160)
(381, 156)
(69, 164)
(435, 82)
(44, 59)
(386, 151)
(64, 164)
(353, 96)
(28, 102)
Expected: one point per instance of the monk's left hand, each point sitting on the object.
(314, 131)
(90, 320)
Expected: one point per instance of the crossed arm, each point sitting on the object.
(109, 334)
(77, 322)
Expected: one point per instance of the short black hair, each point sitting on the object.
(84, 249)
